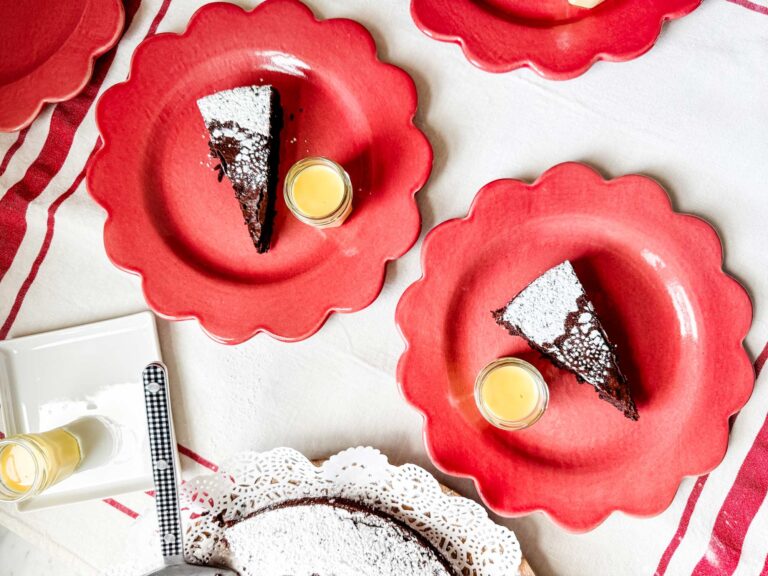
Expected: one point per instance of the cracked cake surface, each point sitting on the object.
(554, 315)
(244, 127)
(327, 537)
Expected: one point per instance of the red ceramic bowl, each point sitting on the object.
(172, 222)
(47, 49)
(554, 38)
(656, 281)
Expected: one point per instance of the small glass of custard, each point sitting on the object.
(32, 463)
(511, 393)
(319, 192)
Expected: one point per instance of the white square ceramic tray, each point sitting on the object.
(51, 379)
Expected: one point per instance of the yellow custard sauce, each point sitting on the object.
(318, 191)
(511, 394)
(31, 463)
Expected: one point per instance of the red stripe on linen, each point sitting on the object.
(158, 17)
(694, 497)
(682, 526)
(121, 507)
(740, 506)
(12, 150)
(765, 568)
(197, 458)
(750, 6)
(66, 118)
(6, 327)
(761, 359)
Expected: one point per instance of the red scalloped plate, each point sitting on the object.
(53, 45)
(557, 40)
(170, 221)
(655, 277)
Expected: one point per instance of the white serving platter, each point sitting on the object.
(51, 379)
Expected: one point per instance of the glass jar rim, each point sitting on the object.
(538, 379)
(301, 165)
(37, 455)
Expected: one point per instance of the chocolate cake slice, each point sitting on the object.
(244, 128)
(556, 318)
(327, 537)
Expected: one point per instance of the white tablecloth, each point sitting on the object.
(691, 113)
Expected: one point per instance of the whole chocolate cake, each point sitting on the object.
(244, 127)
(328, 537)
(556, 318)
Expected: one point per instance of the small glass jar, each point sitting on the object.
(332, 203)
(511, 394)
(32, 463)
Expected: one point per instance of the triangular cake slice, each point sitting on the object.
(244, 128)
(556, 318)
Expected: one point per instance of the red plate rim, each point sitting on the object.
(713, 445)
(73, 72)
(123, 257)
(478, 31)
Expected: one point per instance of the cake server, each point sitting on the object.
(162, 447)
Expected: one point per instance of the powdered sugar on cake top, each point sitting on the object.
(322, 539)
(554, 314)
(247, 106)
(243, 125)
(540, 310)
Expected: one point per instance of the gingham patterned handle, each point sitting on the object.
(163, 451)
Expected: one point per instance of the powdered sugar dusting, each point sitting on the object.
(312, 539)
(540, 310)
(244, 124)
(247, 106)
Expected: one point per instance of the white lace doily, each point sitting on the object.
(459, 528)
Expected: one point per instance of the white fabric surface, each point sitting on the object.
(691, 113)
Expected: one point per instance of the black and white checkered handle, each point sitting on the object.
(162, 447)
